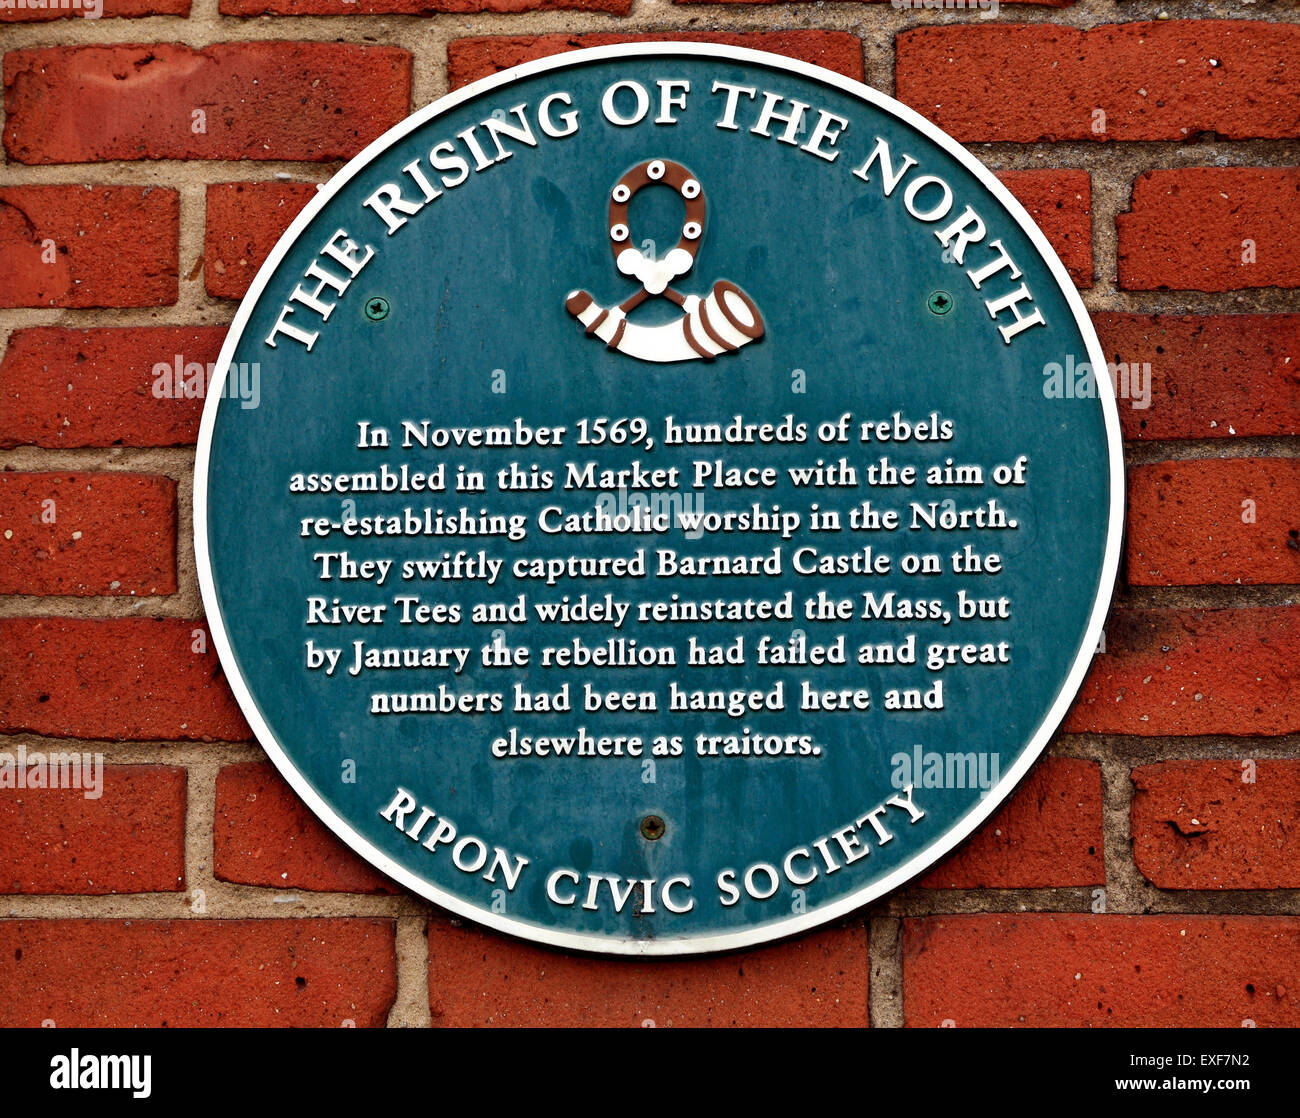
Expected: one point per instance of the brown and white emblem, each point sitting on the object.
(720, 322)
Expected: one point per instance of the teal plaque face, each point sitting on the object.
(679, 499)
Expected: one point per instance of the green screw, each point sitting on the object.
(939, 302)
(652, 828)
(377, 309)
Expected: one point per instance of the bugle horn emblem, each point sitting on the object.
(720, 322)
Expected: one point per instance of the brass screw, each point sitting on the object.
(652, 828)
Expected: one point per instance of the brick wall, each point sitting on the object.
(1149, 869)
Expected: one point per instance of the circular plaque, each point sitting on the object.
(658, 499)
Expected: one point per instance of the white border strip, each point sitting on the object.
(775, 929)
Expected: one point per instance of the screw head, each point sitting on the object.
(376, 308)
(652, 828)
(939, 302)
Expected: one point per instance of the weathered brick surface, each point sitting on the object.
(1167, 80)
(85, 9)
(1218, 824)
(244, 221)
(1211, 229)
(1214, 520)
(1170, 671)
(88, 246)
(1047, 835)
(63, 387)
(124, 835)
(127, 678)
(476, 978)
(972, 5)
(87, 533)
(305, 972)
(315, 101)
(265, 835)
(1211, 376)
(1067, 970)
(1060, 202)
(415, 7)
(470, 59)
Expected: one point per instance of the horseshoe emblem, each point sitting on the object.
(721, 322)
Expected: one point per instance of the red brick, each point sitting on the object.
(1187, 526)
(972, 4)
(88, 246)
(416, 7)
(1218, 824)
(126, 678)
(1168, 80)
(244, 221)
(1050, 970)
(1187, 230)
(305, 973)
(476, 978)
(1170, 671)
(265, 835)
(1060, 202)
(471, 59)
(319, 101)
(128, 839)
(99, 387)
(112, 533)
(107, 9)
(1047, 835)
(1212, 376)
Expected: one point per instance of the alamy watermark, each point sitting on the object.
(1075, 380)
(634, 513)
(36, 770)
(928, 768)
(87, 1071)
(988, 9)
(89, 9)
(188, 380)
